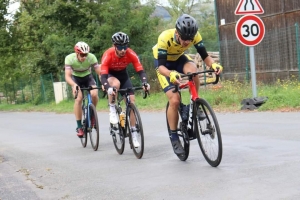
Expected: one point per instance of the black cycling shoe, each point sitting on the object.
(200, 115)
(177, 147)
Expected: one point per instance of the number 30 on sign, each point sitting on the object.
(250, 30)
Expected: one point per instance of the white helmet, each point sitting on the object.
(81, 47)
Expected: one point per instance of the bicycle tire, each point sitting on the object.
(94, 131)
(118, 136)
(183, 137)
(208, 133)
(84, 127)
(138, 151)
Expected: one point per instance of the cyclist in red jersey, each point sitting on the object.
(114, 74)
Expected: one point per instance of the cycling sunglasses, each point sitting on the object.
(121, 47)
(186, 38)
(83, 55)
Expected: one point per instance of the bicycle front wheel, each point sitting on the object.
(134, 117)
(117, 134)
(93, 129)
(208, 132)
(84, 127)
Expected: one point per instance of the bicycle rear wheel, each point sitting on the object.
(138, 151)
(94, 128)
(208, 133)
(117, 134)
(84, 127)
(183, 136)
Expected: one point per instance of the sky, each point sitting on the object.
(162, 2)
(13, 7)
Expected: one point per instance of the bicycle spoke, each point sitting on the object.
(118, 135)
(84, 127)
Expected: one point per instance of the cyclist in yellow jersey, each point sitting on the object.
(170, 60)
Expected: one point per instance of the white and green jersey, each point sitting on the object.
(80, 69)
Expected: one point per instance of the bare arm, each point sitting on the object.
(164, 71)
(209, 61)
(68, 77)
(98, 70)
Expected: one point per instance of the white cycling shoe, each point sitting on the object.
(135, 141)
(113, 118)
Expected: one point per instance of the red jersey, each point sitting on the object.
(111, 62)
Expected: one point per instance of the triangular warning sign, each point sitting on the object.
(248, 7)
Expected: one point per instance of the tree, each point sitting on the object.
(203, 12)
(44, 32)
(5, 42)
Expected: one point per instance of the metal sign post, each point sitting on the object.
(253, 73)
(250, 31)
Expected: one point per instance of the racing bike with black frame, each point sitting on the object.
(127, 121)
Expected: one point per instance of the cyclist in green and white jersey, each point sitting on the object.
(78, 73)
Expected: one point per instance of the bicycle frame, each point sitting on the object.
(88, 97)
(194, 93)
(191, 85)
(86, 107)
(126, 98)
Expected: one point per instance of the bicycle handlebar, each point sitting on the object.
(87, 89)
(146, 93)
(191, 75)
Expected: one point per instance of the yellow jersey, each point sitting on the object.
(166, 44)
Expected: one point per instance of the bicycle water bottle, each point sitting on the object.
(122, 119)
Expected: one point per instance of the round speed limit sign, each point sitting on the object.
(250, 30)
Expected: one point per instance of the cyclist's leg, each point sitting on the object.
(113, 82)
(190, 66)
(132, 118)
(77, 106)
(172, 112)
(126, 83)
(174, 101)
(94, 93)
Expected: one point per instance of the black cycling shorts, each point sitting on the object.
(124, 79)
(85, 81)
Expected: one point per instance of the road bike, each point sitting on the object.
(124, 128)
(89, 112)
(198, 120)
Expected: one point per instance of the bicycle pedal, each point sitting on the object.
(114, 132)
(192, 138)
(114, 126)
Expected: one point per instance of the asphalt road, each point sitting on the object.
(42, 158)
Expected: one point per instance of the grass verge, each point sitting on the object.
(224, 97)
